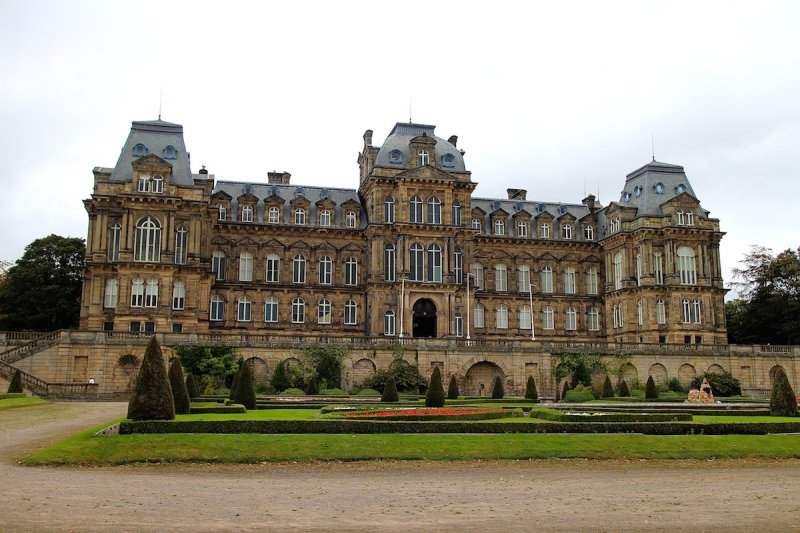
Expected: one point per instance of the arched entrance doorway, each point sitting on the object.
(424, 314)
(479, 379)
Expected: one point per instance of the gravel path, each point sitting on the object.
(415, 496)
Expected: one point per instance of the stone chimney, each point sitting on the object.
(589, 202)
(453, 139)
(279, 178)
(517, 194)
(368, 138)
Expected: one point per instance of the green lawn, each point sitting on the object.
(259, 414)
(11, 403)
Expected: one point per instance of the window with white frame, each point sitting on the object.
(566, 231)
(158, 184)
(544, 230)
(245, 266)
(147, 245)
(350, 219)
(547, 280)
(435, 263)
(151, 293)
(423, 157)
(388, 210)
(591, 281)
(658, 268)
(181, 245)
(501, 317)
(477, 275)
(300, 216)
(523, 278)
(618, 270)
(415, 210)
(640, 312)
(679, 217)
(325, 218)
(178, 295)
(458, 325)
(416, 262)
(298, 311)
(500, 278)
(350, 313)
(478, 315)
(389, 262)
(525, 317)
(217, 309)
(113, 242)
(244, 309)
(588, 232)
(499, 227)
(689, 218)
(617, 313)
(593, 320)
(522, 228)
(434, 210)
(218, 264)
(569, 280)
(247, 213)
(274, 216)
(325, 270)
(476, 223)
(638, 269)
(458, 266)
(222, 212)
(686, 311)
(661, 312)
(687, 269)
(351, 271)
(697, 317)
(570, 319)
(324, 311)
(273, 271)
(299, 269)
(388, 323)
(144, 183)
(111, 294)
(271, 309)
(456, 213)
(547, 318)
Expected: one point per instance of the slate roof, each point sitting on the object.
(642, 187)
(155, 135)
(533, 207)
(401, 135)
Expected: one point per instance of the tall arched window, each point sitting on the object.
(325, 269)
(273, 268)
(456, 212)
(686, 266)
(151, 293)
(679, 216)
(547, 280)
(479, 315)
(389, 262)
(689, 218)
(591, 281)
(111, 294)
(686, 311)
(593, 320)
(458, 266)
(525, 317)
(274, 216)
(325, 218)
(477, 274)
(298, 311)
(639, 268)
(523, 278)
(324, 311)
(501, 317)
(640, 312)
(271, 309)
(247, 213)
(350, 313)
(300, 216)
(569, 281)
(181, 245)
(570, 319)
(218, 264)
(435, 263)
(350, 219)
(388, 210)
(415, 210)
(618, 270)
(178, 295)
(416, 259)
(388, 323)
(547, 318)
(566, 231)
(697, 317)
(434, 210)
(113, 242)
(299, 269)
(500, 278)
(245, 266)
(244, 309)
(544, 230)
(351, 271)
(217, 309)
(661, 312)
(148, 240)
(499, 227)
(522, 228)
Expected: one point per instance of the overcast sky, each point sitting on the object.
(559, 98)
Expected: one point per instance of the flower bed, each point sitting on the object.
(592, 417)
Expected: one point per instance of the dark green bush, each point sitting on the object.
(452, 389)
(368, 392)
(152, 394)
(220, 409)
(650, 390)
(245, 393)
(406, 377)
(234, 385)
(293, 392)
(497, 388)
(579, 394)
(608, 390)
(623, 389)
(782, 402)
(280, 378)
(313, 386)
(191, 386)
(334, 392)
(564, 391)
(390, 391)
(178, 385)
(15, 386)
(676, 386)
(530, 389)
(435, 395)
(721, 384)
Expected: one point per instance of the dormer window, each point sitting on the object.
(449, 161)
(139, 150)
(222, 212)
(637, 191)
(396, 157)
(566, 231)
(144, 183)
(158, 183)
(325, 218)
(274, 216)
(658, 188)
(544, 230)
(626, 197)
(689, 218)
(169, 152)
(300, 216)
(423, 157)
(588, 233)
(680, 189)
(499, 227)
(679, 216)
(247, 213)
(350, 219)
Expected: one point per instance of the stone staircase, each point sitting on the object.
(17, 353)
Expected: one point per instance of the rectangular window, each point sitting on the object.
(523, 279)
(658, 269)
(500, 278)
(181, 241)
(388, 324)
(218, 265)
(271, 310)
(591, 281)
(569, 281)
(477, 274)
(112, 294)
(113, 242)
(661, 312)
(458, 324)
(458, 267)
(136, 327)
(178, 295)
(149, 327)
(177, 328)
(479, 316)
(273, 268)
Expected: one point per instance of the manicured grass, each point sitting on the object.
(251, 448)
(743, 419)
(258, 414)
(11, 403)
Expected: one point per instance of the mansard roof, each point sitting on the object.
(490, 205)
(399, 139)
(160, 138)
(654, 184)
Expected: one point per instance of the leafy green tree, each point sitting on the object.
(214, 365)
(280, 378)
(452, 388)
(15, 386)
(723, 384)
(42, 291)
(435, 395)
(245, 393)
(178, 385)
(530, 389)
(782, 401)
(497, 388)
(406, 377)
(313, 386)
(581, 365)
(624, 392)
(327, 361)
(565, 390)
(390, 391)
(650, 390)
(191, 386)
(152, 395)
(608, 390)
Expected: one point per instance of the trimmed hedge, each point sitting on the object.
(490, 415)
(371, 426)
(559, 416)
(8, 395)
(222, 410)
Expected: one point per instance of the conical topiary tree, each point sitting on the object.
(390, 391)
(245, 393)
(608, 390)
(497, 388)
(15, 386)
(624, 392)
(178, 385)
(782, 402)
(530, 389)
(452, 389)
(234, 384)
(565, 390)
(280, 378)
(650, 390)
(435, 395)
(191, 386)
(152, 394)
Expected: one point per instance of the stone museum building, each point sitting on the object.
(410, 256)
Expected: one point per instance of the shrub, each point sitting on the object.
(564, 391)
(211, 365)
(293, 392)
(280, 378)
(650, 390)
(452, 389)
(327, 364)
(334, 392)
(782, 402)
(16, 383)
(530, 389)
(245, 394)
(152, 394)
(313, 386)
(178, 385)
(624, 392)
(368, 392)
(390, 391)
(435, 395)
(264, 388)
(234, 385)
(497, 388)
(608, 390)
(721, 384)
(579, 394)
(406, 377)
(676, 386)
(191, 386)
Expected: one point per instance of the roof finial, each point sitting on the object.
(409, 111)
(652, 146)
(160, 98)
